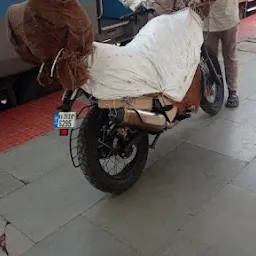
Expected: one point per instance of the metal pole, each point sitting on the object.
(245, 8)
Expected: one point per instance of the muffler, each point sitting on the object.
(141, 119)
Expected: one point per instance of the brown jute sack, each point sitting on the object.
(39, 30)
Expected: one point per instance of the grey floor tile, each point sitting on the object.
(229, 138)
(2, 226)
(16, 242)
(49, 202)
(247, 46)
(54, 135)
(81, 238)
(252, 120)
(8, 184)
(196, 123)
(33, 159)
(143, 221)
(184, 246)
(226, 227)
(167, 142)
(247, 178)
(174, 137)
(246, 75)
(194, 175)
(175, 187)
(243, 114)
(252, 97)
(246, 92)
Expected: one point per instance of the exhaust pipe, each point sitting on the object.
(141, 119)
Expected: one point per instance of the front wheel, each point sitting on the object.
(212, 83)
(112, 158)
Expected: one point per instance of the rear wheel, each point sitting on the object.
(111, 158)
(212, 87)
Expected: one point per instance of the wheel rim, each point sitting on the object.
(114, 164)
(113, 160)
(211, 88)
(210, 93)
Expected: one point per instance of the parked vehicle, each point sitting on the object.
(101, 144)
(111, 144)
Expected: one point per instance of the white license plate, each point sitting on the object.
(64, 120)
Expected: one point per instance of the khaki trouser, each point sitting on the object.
(228, 40)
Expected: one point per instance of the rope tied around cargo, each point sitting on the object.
(55, 61)
(68, 69)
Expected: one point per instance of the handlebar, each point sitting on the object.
(139, 11)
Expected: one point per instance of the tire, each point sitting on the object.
(88, 156)
(212, 108)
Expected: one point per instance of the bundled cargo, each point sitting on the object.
(57, 34)
(145, 87)
(162, 58)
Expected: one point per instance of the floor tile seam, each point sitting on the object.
(250, 191)
(111, 234)
(162, 156)
(219, 153)
(251, 98)
(53, 232)
(30, 182)
(9, 193)
(56, 230)
(246, 51)
(82, 216)
(222, 118)
(10, 174)
(198, 212)
(242, 124)
(10, 223)
(182, 141)
(169, 242)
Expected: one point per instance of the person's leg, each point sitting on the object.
(229, 41)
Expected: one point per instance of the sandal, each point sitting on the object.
(233, 101)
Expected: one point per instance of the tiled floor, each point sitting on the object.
(197, 196)
(29, 121)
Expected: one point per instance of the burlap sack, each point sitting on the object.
(39, 30)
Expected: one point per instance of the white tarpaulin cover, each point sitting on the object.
(162, 58)
(133, 4)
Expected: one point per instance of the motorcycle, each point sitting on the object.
(111, 142)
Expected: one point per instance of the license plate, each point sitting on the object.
(64, 120)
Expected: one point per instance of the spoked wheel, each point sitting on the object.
(213, 85)
(112, 158)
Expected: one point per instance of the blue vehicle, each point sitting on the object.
(246, 7)
(18, 79)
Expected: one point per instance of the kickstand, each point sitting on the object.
(153, 145)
